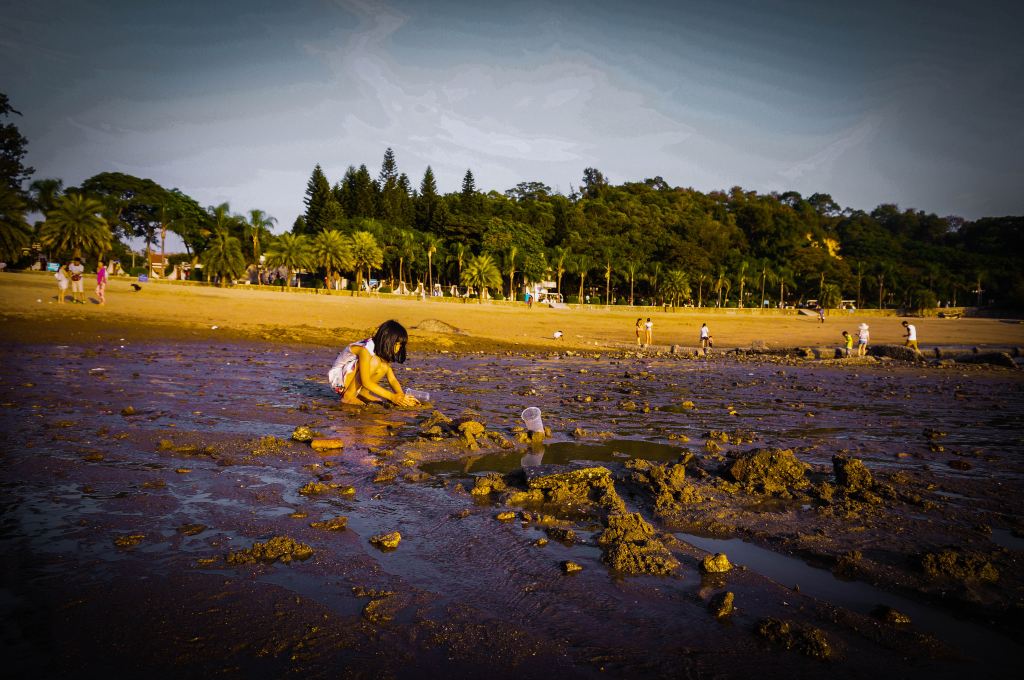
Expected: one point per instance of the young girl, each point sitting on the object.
(639, 328)
(358, 370)
(101, 283)
(62, 283)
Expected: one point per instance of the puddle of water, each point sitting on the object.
(1006, 539)
(559, 453)
(976, 642)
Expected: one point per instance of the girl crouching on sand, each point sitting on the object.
(359, 369)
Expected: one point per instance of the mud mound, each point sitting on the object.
(852, 475)
(278, 549)
(630, 547)
(588, 490)
(898, 352)
(959, 565)
(438, 326)
(768, 471)
(667, 483)
(808, 641)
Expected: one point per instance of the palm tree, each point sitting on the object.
(75, 226)
(510, 268)
(701, 278)
(481, 272)
(675, 286)
(291, 251)
(581, 266)
(742, 278)
(722, 283)
(405, 246)
(223, 257)
(430, 243)
(607, 276)
(784, 275)
(330, 250)
(43, 194)
(767, 276)
(653, 276)
(258, 223)
(632, 267)
(15, 232)
(365, 253)
(561, 255)
(457, 255)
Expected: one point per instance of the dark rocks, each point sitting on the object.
(897, 352)
(991, 358)
(808, 641)
(721, 605)
(852, 475)
(890, 616)
(667, 482)
(387, 541)
(333, 524)
(588, 490)
(715, 564)
(959, 565)
(630, 547)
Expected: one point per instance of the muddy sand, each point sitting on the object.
(723, 517)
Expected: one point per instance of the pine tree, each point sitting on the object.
(390, 204)
(427, 203)
(318, 194)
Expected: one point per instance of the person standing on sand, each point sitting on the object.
(101, 282)
(705, 338)
(863, 335)
(639, 328)
(911, 336)
(847, 343)
(77, 286)
(62, 283)
(821, 314)
(648, 332)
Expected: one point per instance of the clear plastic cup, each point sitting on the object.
(419, 395)
(531, 417)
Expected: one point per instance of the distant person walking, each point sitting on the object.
(62, 283)
(821, 314)
(77, 285)
(101, 283)
(639, 330)
(705, 338)
(911, 336)
(648, 332)
(863, 336)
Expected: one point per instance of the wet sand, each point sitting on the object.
(140, 457)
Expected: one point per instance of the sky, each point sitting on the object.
(914, 103)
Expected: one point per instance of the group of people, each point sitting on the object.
(864, 335)
(74, 274)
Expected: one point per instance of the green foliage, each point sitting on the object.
(13, 147)
(366, 254)
(15, 232)
(75, 227)
(831, 296)
(291, 251)
(922, 299)
(223, 257)
(330, 250)
(481, 272)
(675, 287)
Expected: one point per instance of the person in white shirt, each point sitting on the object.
(705, 338)
(77, 285)
(863, 335)
(911, 336)
(62, 283)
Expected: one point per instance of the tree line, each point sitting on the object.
(642, 242)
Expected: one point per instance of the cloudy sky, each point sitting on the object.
(914, 103)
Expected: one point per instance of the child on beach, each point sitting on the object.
(359, 369)
(847, 343)
(62, 283)
(101, 283)
(639, 328)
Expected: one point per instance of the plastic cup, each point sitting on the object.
(531, 417)
(418, 395)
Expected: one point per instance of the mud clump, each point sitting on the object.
(303, 434)
(128, 541)
(891, 616)
(561, 534)
(506, 516)
(808, 641)
(586, 490)
(959, 565)
(715, 564)
(630, 547)
(333, 524)
(470, 430)
(721, 605)
(321, 488)
(488, 484)
(386, 473)
(436, 426)
(388, 541)
(278, 549)
(570, 567)
(326, 444)
(191, 529)
(667, 483)
(267, 446)
(852, 475)
(769, 471)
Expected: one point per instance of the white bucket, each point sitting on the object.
(531, 417)
(419, 395)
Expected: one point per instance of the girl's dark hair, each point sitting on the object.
(387, 336)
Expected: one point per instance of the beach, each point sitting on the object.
(165, 513)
